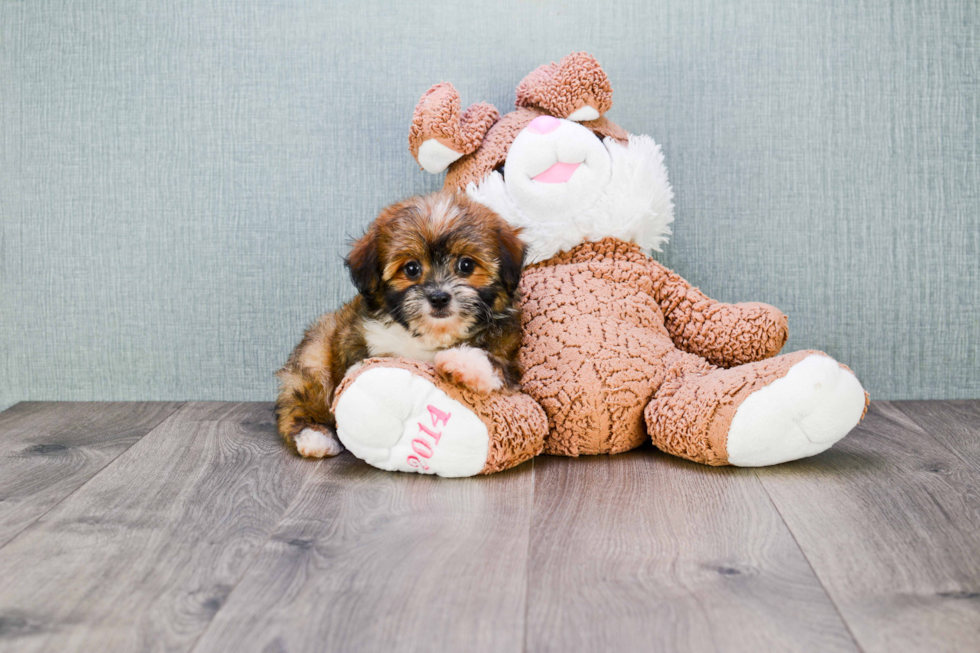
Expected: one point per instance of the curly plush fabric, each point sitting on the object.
(515, 423)
(596, 348)
(724, 334)
(492, 152)
(437, 116)
(604, 127)
(694, 407)
(560, 89)
(617, 348)
(481, 135)
(604, 369)
(593, 350)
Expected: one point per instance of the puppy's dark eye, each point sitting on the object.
(465, 266)
(412, 269)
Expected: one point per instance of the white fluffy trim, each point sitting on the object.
(637, 204)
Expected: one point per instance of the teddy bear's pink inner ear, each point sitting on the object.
(440, 134)
(575, 88)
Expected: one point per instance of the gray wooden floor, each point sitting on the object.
(186, 527)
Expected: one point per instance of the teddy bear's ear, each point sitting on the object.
(440, 135)
(575, 88)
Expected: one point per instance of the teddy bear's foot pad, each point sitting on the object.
(398, 421)
(798, 415)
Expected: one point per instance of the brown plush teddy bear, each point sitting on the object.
(617, 348)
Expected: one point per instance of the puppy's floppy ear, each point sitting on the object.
(512, 253)
(363, 263)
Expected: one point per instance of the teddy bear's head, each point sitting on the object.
(555, 166)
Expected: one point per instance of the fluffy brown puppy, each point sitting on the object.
(437, 278)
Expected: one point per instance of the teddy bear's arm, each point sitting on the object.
(724, 334)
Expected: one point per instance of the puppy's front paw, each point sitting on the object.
(468, 367)
(312, 443)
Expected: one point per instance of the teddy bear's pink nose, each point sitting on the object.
(544, 124)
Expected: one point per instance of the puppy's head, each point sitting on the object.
(439, 265)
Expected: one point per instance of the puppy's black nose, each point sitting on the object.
(438, 298)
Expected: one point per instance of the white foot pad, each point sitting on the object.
(397, 421)
(311, 443)
(799, 415)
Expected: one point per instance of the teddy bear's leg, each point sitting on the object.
(761, 413)
(398, 415)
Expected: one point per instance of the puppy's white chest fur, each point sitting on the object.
(392, 339)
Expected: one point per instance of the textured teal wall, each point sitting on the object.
(178, 179)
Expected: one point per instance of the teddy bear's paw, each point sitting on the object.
(314, 443)
(398, 421)
(798, 415)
